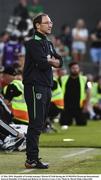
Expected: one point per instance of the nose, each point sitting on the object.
(50, 24)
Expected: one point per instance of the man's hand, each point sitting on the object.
(54, 62)
(85, 106)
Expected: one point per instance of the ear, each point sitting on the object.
(37, 25)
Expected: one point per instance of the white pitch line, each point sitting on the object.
(78, 153)
(26, 171)
(65, 156)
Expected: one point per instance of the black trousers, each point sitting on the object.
(68, 115)
(37, 99)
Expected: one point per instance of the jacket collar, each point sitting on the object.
(39, 36)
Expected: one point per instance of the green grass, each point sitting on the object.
(86, 163)
(82, 156)
(84, 136)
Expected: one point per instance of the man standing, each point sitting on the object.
(37, 79)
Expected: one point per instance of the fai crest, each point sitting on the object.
(38, 95)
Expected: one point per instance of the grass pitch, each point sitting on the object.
(83, 136)
(82, 155)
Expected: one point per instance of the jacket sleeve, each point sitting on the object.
(57, 56)
(37, 55)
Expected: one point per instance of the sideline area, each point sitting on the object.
(61, 161)
(79, 153)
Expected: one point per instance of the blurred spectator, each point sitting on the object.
(13, 109)
(56, 104)
(20, 27)
(95, 37)
(14, 96)
(80, 37)
(7, 132)
(4, 37)
(63, 51)
(35, 8)
(96, 98)
(1, 78)
(66, 36)
(90, 84)
(20, 22)
(21, 9)
(11, 139)
(8, 75)
(61, 72)
(76, 97)
(12, 50)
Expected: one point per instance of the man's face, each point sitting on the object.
(7, 78)
(45, 26)
(74, 70)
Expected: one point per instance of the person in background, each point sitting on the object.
(63, 51)
(11, 105)
(20, 22)
(38, 81)
(95, 47)
(76, 97)
(12, 51)
(4, 37)
(35, 8)
(8, 75)
(90, 84)
(10, 138)
(61, 72)
(80, 38)
(14, 97)
(95, 38)
(66, 36)
(95, 99)
(56, 105)
(57, 101)
(21, 9)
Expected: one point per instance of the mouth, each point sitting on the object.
(49, 29)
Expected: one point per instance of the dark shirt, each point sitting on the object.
(66, 40)
(72, 93)
(21, 11)
(96, 44)
(37, 70)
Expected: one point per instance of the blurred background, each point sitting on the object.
(66, 11)
(16, 19)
